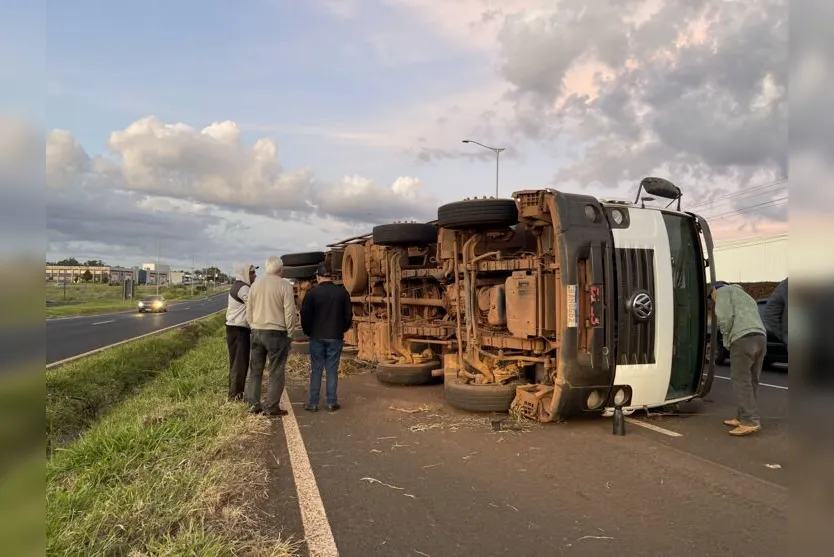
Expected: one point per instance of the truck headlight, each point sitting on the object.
(619, 397)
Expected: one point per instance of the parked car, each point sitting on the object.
(154, 304)
(777, 351)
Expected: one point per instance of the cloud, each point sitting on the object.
(474, 153)
(215, 166)
(697, 85)
(203, 191)
(357, 199)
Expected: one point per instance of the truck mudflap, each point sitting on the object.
(585, 360)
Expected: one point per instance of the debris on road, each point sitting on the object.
(376, 481)
(774, 466)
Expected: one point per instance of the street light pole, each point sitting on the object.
(158, 251)
(497, 151)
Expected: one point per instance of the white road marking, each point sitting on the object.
(317, 532)
(760, 384)
(187, 307)
(104, 322)
(653, 427)
(125, 341)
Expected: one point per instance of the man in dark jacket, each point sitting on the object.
(775, 314)
(326, 316)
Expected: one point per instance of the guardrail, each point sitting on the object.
(127, 340)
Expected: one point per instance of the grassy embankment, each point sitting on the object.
(90, 299)
(172, 470)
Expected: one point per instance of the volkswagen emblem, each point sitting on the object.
(642, 305)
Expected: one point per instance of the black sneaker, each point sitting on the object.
(333, 407)
(311, 408)
(278, 412)
(256, 410)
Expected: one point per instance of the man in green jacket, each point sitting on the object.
(744, 335)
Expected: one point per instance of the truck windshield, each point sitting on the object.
(690, 304)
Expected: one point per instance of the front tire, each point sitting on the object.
(407, 374)
(480, 398)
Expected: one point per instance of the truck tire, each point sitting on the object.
(305, 258)
(300, 346)
(405, 233)
(478, 213)
(336, 258)
(407, 374)
(354, 272)
(480, 398)
(300, 272)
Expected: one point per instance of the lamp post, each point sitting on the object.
(497, 151)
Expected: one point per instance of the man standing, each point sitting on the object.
(775, 315)
(270, 311)
(326, 315)
(744, 335)
(237, 329)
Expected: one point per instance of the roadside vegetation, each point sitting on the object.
(90, 299)
(79, 392)
(173, 470)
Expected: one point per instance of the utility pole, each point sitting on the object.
(192, 275)
(497, 151)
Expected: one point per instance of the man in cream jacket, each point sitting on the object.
(237, 329)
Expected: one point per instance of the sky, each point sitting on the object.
(216, 132)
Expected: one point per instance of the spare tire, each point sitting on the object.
(354, 272)
(407, 374)
(336, 258)
(300, 272)
(478, 213)
(480, 398)
(405, 233)
(305, 258)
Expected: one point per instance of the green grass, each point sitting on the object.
(79, 392)
(21, 461)
(91, 299)
(174, 470)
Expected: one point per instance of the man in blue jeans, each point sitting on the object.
(326, 316)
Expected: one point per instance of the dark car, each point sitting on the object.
(153, 304)
(777, 351)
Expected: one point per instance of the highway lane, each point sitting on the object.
(72, 336)
(763, 455)
(402, 473)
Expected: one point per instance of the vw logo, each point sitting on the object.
(642, 305)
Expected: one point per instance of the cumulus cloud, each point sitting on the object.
(195, 188)
(695, 86)
(357, 199)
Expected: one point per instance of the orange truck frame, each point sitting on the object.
(551, 304)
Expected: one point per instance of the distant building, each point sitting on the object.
(98, 274)
(156, 273)
(762, 259)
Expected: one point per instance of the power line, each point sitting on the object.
(752, 191)
(750, 242)
(727, 215)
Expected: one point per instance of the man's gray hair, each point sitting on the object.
(273, 265)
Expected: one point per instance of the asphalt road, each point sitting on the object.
(67, 337)
(400, 473)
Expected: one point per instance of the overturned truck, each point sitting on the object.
(550, 304)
